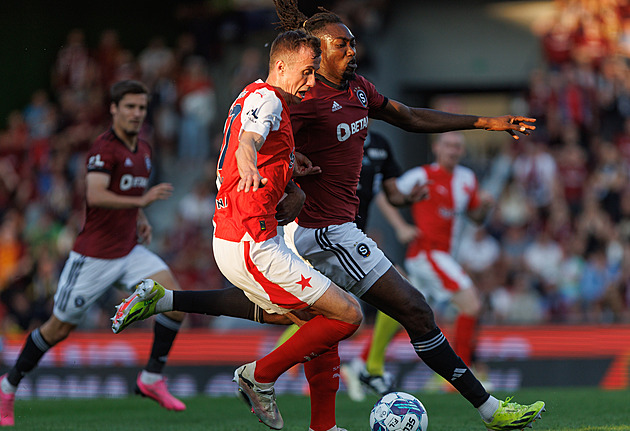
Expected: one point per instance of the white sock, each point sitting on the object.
(487, 409)
(7, 387)
(149, 378)
(165, 303)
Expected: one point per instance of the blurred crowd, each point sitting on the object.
(557, 247)
(554, 250)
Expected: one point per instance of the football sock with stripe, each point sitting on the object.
(322, 373)
(314, 338)
(33, 350)
(384, 330)
(221, 302)
(164, 333)
(434, 349)
(288, 333)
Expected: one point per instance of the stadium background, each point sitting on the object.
(554, 277)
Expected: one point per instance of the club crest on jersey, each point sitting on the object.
(147, 162)
(361, 96)
(363, 250)
(79, 301)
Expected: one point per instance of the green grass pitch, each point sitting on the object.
(575, 409)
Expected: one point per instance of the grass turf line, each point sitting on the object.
(575, 409)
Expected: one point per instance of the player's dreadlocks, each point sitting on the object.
(291, 18)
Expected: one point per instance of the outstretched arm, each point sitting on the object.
(247, 160)
(98, 194)
(432, 121)
(405, 232)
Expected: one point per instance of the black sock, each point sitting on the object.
(33, 350)
(164, 333)
(433, 348)
(222, 302)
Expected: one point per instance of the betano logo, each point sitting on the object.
(345, 130)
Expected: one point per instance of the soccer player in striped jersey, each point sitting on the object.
(330, 127)
(430, 261)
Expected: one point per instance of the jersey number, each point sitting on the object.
(234, 113)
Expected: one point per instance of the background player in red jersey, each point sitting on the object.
(109, 251)
(330, 127)
(430, 262)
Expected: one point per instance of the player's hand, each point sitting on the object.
(303, 166)
(419, 192)
(161, 191)
(144, 232)
(509, 123)
(251, 180)
(290, 205)
(407, 233)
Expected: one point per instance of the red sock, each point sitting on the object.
(314, 338)
(465, 327)
(366, 350)
(322, 374)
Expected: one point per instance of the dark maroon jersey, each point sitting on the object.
(330, 127)
(111, 233)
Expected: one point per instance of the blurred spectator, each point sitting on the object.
(599, 285)
(251, 67)
(198, 109)
(72, 68)
(535, 170)
(572, 175)
(196, 207)
(14, 259)
(107, 56)
(608, 179)
(516, 301)
(154, 60)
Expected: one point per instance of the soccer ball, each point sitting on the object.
(399, 411)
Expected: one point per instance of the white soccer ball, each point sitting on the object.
(399, 411)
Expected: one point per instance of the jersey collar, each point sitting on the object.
(134, 150)
(344, 85)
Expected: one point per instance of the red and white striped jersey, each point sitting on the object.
(439, 217)
(260, 109)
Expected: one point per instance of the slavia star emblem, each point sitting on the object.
(304, 282)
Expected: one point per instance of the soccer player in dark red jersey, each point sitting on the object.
(330, 127)
(109, 250)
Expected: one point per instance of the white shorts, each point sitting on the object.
(270, 274)
(342, 252)
(437, 275)
(85, 279)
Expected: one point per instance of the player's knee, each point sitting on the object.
(54, 331)
(177, 316)
(418, 317)
(354, 314)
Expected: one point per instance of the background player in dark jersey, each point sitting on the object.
(330, 127)
(109, 251)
